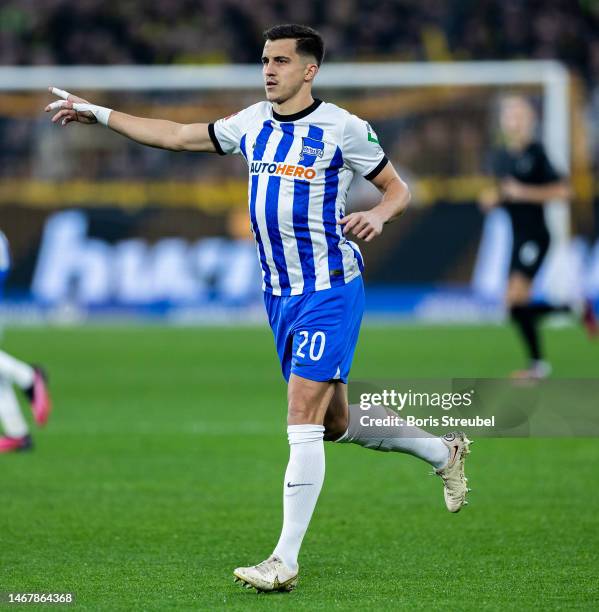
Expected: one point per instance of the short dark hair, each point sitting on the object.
(309, 41)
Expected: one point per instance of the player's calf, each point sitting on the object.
(446, 454)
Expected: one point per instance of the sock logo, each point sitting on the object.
(300, 484)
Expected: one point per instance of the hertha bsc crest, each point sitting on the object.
(311, 149)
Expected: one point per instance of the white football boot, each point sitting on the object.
(270, 575)
(537, 370)
(454, 481)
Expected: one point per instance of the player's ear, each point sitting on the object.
(310, 71)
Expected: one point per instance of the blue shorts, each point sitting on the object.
(316, 333)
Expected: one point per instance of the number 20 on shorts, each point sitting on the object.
(316, 342)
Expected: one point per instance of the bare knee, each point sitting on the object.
(300, 412)
(518, 290)
(307, 401)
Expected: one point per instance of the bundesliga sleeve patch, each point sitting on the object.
(372, 137)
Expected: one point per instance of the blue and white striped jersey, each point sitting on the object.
(300, 169)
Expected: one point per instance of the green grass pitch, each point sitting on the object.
(161, 469)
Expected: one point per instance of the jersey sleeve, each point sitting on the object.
(361, 148)
(226, 133)
(544, 169)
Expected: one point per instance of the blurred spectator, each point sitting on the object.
(181, 31)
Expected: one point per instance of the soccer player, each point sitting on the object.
(526, 181)
(302, 154)
(31, 380)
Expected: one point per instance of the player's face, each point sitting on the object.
(284, 70)
(517, 118)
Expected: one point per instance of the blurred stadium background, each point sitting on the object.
(103, 227)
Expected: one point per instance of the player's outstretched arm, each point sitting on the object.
(515, 191)
(158, 133)
(368, 224)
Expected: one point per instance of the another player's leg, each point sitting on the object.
(32, 381)
(16, 432)
(308, 401)
(518, 298)
(589, 319)
(343, 423)
(527, 316)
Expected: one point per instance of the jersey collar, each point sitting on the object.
(300, 115)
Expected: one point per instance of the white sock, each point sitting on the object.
(301, 488)
(16, 371)
(11, 418)
(399, 439)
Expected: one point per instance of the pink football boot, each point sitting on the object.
(39, 397)
(11, 445)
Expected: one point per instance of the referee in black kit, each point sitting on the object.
(526, 180)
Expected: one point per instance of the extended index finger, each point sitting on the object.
(61, 93)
